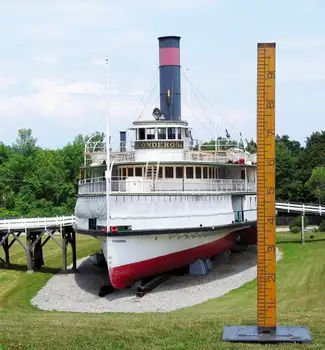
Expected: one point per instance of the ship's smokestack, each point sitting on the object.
(170, 78)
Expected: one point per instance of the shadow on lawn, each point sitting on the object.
(23, 268)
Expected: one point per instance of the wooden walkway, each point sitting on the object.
(35, 230)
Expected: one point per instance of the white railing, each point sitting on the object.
(123, 157)
(300, 208)
(143, 185)
(190, 156)
(42, 223)
(61, 221)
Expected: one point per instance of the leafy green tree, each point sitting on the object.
(25, 143)
(293, 146)
(4, 153)
(251, 146)
(316, 183)
(73, 157)
(288, 183)
(312, 156)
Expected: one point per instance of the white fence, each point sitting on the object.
(300, 208)
(34, 223)
(61, 221)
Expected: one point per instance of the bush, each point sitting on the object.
(295, 229)
(296, 222)
(322, 226)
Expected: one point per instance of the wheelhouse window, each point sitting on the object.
(179, 172)
(130, 171)
(198, 172)
(211, 173)
(142, 134)
(150, 134)
(138, 171)
(123, 173)
(205, 172)
(171, 133)
(189, 172)
(161, 133)
(179, 133)
(169, 172)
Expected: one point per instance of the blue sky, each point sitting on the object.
(52, 72)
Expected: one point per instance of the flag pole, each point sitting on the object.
(107, 146)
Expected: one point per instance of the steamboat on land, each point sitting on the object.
(163, 200)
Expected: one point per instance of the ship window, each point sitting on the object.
(179, 172)
(171, 133)
(138, 171)
(142, 134)
(130, 171)
(92, 223)
(160, 173)
(169, 172)
(210, 172)
(243, 174)
(150, 134)
(162, 134)
(189, 172)
(198, 172)
(123, 173)
(187, 132)
(179, 133)
(205, 172)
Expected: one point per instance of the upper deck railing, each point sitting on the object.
(144, 185)
(196, 156)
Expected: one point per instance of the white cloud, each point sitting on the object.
(46, 59)
(303, 69)
(77, 106)
(84, 87)
(6, 82)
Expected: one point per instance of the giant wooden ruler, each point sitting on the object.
(266, 330)
(266, 254)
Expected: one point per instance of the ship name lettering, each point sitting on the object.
(158, 144)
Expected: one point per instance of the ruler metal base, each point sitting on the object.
(251, 334)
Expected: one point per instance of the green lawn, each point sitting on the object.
(301, 301)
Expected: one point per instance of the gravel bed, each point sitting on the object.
(79, 292)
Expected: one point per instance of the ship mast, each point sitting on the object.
(107, 141)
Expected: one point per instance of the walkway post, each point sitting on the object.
(302, 229)
(29, 253)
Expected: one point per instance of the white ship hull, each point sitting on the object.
(130, 258)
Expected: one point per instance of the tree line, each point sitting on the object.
(36, 181)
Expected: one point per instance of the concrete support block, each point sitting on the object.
(208, 264)
(198, 268)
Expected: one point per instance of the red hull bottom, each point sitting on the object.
(125, 275)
